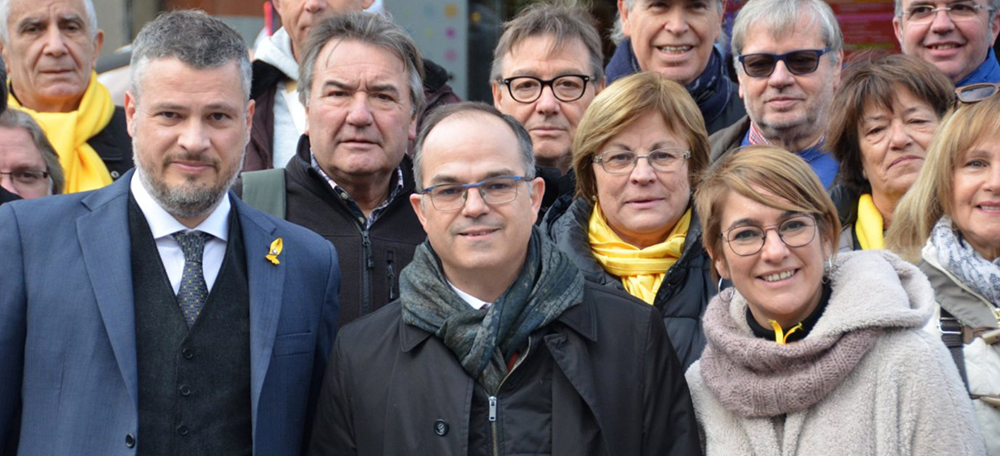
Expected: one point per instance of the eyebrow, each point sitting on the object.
(446, 179)
(754, 222)
(560, 73)
(656, 145)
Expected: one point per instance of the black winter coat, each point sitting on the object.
(686, 289)
(617, 389)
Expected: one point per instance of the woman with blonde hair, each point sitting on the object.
(637, 154)
(949, 223)
(811, 352)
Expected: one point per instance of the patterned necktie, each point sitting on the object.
(193, 291)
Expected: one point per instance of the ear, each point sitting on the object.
(722, 267)
(416, 202)
(741, 78)
(98, 43)
(624, 13)
(996, 28)
(598, 87)
(367, 3)
(497, 94)
(837, 70)
(251, 107)
(412, 130)
(130, 107)
(305, 131)
(537, 193)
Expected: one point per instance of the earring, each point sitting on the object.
(827, 269)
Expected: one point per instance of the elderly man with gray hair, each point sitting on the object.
(787, 55)
(182, 321)
(350, 180)
(50, 48)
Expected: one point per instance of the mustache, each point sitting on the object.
(456, 230)
(192, 157)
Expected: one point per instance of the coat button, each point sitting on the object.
(115, 175)
(187, 353)
(182, 430)
(130, 440)
(441, 428)
(185, 391)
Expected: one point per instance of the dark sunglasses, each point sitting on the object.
(797, 62)
(975, 93)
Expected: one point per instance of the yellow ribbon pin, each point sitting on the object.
(275, 250)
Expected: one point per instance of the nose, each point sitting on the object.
(643, 173)
(547, 103)
(315, 6)
(774, 249)
(942, 22)
(899, 135)
(193, 137)
(360, 114)
(780, 77)
(993, 183)
(676, 20)
(475, 206)
(55, 42)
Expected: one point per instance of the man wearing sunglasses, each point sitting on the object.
(788, 55)
(956, 36)
(546, 71)
(497, 344)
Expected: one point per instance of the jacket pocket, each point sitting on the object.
(294, 344)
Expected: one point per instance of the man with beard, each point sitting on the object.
(161, 315)
(788, 55)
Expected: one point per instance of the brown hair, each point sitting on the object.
(930, 196)
(768, 175)
(622, 103)
(873, 81)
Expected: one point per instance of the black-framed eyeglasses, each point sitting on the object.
(665, 159)
(527, 89)
(26, 178)
(974, 93)
(495, 190)
(799, 62)
(920, 14)
(746, 240)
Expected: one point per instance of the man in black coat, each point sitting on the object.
(497, 345)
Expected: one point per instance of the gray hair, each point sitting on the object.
(88, 8)
(995, 4)
(780, 18)
(562, 22)
(16, 119)
(466, 108)
(618, 35)
(193, 37)
(368, 28)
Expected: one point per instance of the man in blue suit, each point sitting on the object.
(161, 315)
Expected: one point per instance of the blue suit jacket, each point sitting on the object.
(68, 382)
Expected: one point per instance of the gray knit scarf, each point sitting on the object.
(548, 284)
(754, 377)
(964, 262)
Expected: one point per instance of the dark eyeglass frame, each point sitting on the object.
(546, 83)
(14, 179)
(777, 229)
(970, 94)
(683, 155)
(429, 191)
(784, 58)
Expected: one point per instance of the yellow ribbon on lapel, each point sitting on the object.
(274, 251)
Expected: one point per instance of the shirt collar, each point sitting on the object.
(473, 301)
(162, 224)
(988, 71)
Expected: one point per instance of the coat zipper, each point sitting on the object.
(366, 253)
(494, 400)
(389, 259)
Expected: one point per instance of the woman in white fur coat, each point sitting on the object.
(810, 354)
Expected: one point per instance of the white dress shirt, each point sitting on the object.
(163, 225)
(473, 301)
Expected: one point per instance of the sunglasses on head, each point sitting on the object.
(799, 62)
(975, 93)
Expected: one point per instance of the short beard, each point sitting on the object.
(186, 201)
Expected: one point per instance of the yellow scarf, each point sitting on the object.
(869, 224)
(69, 131)
(641, 270)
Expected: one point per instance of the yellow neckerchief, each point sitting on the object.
(641, 270)
(69, 131)
(869, 224)
(780, 336)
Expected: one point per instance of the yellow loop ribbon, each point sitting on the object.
(780, 336)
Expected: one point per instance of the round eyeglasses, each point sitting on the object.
(922, 14)
(800, 62)
(495, 190)
(666, 159)
(527, 89)
(746, 240)
(974, 93)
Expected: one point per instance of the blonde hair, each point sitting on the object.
(770, 176)
(624, 102)
(930, 196)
